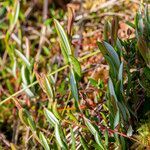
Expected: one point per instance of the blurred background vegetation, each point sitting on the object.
(74, 74)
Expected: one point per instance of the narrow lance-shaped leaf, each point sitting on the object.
(112, 71)
(48, 88)
(74, 88)
(119, 47)
(51, 117)
(140, 23)
(120, 76)
(24, 59)
(84, 144)
(73, 147)
(21, 117)
(111, 89)
(102, 48)
(90, 126)
(112, 53)
(94, 132)
(106, 138)
(58, 137)
(26, 119)
(108, 51)
(64, 42)
(17, 9)
(26, 80)
(55, 111)
(76, 65)
(15, 15)
(30, 120)
(99, 141)
(116, 119)
(44, 141)
(27, 90)
(25, 75)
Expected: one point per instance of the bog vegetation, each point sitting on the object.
(49, 101)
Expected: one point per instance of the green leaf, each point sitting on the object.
(48, 87)
(73, 84)
(73, 147)
(90, 126)
(44, 141)
(15, 15)
(119, 47)
(122, 108)
(24, 59)
(102, 48)
(116, 119)
(83, 143)
(30, 120)
(112, 53)
(99, 141)
(25, 75)
(111, 56)
(55, 111)
(26, 119)
(94, 132)
(120, 76)
(21, 116)
(111, 89)
(58, 137)
(17, 9)
(140, 23)
(106, 138)
(113, 71)
(76, 65)
(51, 117)
(27, 90)
(63, 39)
